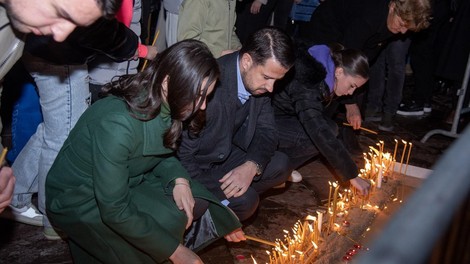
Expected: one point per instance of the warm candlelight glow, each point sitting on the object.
(300, 244)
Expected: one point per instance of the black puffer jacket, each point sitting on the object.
(302, 94)
(108, 37)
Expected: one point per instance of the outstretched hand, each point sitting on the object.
(361, 185)
(236, 236)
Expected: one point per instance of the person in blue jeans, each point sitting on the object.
(320, 76)
(47, 17)
(61, 75)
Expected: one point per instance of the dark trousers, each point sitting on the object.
(387, 77)
(247, 23)
(275, 173)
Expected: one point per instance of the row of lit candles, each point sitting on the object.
(302, 245)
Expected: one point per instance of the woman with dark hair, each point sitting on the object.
(319, 76)
(116, 188)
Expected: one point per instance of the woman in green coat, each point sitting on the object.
(116, 188)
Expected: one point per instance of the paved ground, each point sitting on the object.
(278, 211)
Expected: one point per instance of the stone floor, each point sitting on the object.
(280, 209)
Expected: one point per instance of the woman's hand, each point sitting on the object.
(361, 185)
(236, 236)
(184, 255)
(353, 114)
(184, 198)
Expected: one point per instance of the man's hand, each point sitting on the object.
(236, 236)
(255, 7)
(7, 185)
(184, 198)
(353, 114)
(184, 255)
(236, 182)
(361, 185)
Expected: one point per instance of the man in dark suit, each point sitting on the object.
(234, 155)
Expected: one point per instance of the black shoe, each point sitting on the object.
(411, 109)
(387, 122)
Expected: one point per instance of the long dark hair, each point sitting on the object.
(186, 63)
(353, 61)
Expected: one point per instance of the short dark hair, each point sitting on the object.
(270, 42)
(109, 8)
(186, 63)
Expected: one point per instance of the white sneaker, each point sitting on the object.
(295, 176)
(52, 234)
(27, 215)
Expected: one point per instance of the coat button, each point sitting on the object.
(221, 156)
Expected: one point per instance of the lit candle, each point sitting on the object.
(395, 151)
(319, 220)
(403, 154)
(379, 178)
(329, 195)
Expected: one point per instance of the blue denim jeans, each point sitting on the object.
(387, 77)
(63, 95)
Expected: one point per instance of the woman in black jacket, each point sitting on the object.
(320, 75)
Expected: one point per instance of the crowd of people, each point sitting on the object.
(149, 166)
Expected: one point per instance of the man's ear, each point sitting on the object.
(246, 61)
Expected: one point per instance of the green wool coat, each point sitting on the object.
(110, 189)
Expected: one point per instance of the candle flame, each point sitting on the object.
(311, 218)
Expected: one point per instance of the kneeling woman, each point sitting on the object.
(319, 75)
(116, 188)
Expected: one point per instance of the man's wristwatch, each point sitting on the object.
(259, 168)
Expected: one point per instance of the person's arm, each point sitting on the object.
(109, 37)
(309, 108)
(308, 105)
(110, 155)
(7, 185)
(265, 138)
